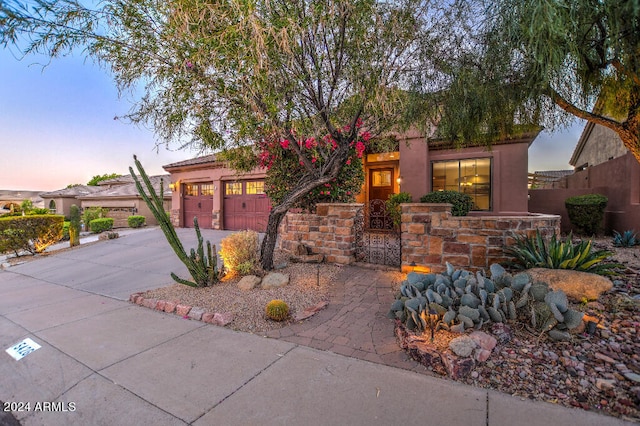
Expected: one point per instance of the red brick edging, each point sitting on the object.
(185, 311)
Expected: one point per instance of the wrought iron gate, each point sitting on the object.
(376, 240)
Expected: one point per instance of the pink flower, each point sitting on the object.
(321, 192)
(346, 128)
(284, 143)
(188, 65)
(328, 192)
(359, 123)
(366, 136)
(310, 143)
(328, 185)
(348, 161)
(360, 149)
(313, 159)
(348, 192)
(301, 163)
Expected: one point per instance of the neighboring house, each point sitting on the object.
(495, 178)
(60, 201)
(118, 196)
(604, 166)
(121, 199)
(9, 198)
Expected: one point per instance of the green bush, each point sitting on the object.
(92, 213)
(535, 252)
(393, 206)
(100, 225)
(32, 233)
(136, 221)
(239, 252)
(65, 230)
(74, 226)
(462, 203)
(38, 211)
(586, 212)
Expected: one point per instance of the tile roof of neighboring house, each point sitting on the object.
(74, 191)
(120, 180)
(129, 190)
(211, 158)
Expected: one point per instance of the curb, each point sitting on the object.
(185, 311)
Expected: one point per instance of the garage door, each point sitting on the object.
(246, 206)
(197, 201)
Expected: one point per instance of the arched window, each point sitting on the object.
(52, 207)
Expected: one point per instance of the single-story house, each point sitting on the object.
(12, 198)
(118, 196)
(602, 165)
(496, 179)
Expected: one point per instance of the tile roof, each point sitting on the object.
(74, 191)
(211, 158)
(130, 190)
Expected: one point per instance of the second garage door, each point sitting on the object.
(246, 206)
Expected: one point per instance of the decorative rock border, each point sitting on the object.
(185, 311)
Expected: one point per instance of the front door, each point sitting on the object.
(380, 187)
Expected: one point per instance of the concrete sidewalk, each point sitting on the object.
(106, 361)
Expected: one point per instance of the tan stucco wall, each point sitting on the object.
(603, 145)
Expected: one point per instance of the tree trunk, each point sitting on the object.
(270, 238)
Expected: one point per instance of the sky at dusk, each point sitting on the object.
(57, 127)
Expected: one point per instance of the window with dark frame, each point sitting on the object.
(470, 176)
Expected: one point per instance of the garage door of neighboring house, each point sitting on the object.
(197, 201)
(246, 206)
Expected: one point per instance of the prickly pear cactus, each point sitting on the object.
(463, 300)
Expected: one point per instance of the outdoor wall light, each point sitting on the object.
(173, 186)
(399, 180)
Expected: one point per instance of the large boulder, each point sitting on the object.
(577, 285)
(249, 282)
(275, 280)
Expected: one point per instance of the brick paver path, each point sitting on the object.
(355, 322)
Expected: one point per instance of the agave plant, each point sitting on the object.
(627, 239)
(536, 252)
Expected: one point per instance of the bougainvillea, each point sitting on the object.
(285, 168)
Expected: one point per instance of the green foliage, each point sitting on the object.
(100, 225)
(65, 230)
(38, 210)
(136, 221)
(393, 206)
(457, 299)
(91, 213)
(203, 267)
(586, 212)
(536, 252)
(74, 226)
(239, 252)
(277, 310)
(26, 206)
(94, 181)
(32, 233)
(627, 239)
(462, 203)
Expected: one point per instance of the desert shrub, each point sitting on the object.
(536, 252)
(277, 310)
(136, 221)
(586, 212)
(32, 233)
(92, 213)
(65, 230)
(393, 206)
(627, 239)
(462, 203)
(239, 252)
(100, 225)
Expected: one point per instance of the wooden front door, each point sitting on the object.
(380, 187)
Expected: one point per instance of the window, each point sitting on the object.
(256, 187)
(233, 188)
(206, 189)
(469, 176)
(191, 189)
(52, 207)
(381, 178)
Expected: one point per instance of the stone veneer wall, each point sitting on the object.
(330, 231)
(431, 236)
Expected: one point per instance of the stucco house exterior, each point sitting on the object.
(604, 166)
(118, 196)
(495, 178)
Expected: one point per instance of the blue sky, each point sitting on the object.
(57, 127)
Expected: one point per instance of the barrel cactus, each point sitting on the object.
(277, 310)
(464, 300)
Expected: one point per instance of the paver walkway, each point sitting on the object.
(355, 322)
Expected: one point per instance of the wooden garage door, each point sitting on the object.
(246, 206)
(197, 201)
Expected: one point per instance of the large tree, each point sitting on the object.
(543, 62)
(239, 73)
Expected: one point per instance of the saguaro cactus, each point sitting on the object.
(74, 226)
(202, 266)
